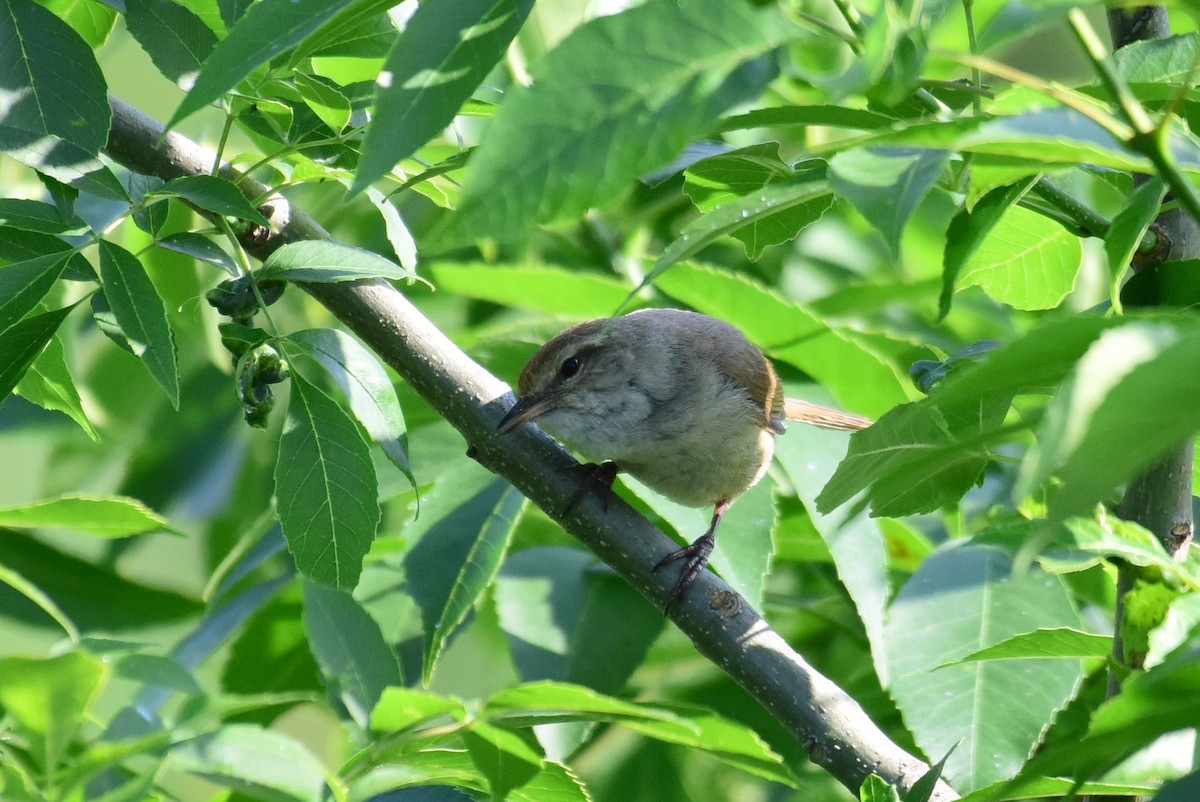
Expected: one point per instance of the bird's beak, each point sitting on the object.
(526, 409)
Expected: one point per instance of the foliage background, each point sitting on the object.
(197, 648)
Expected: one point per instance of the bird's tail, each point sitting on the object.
(817, 415)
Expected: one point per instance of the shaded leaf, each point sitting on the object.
(886, 184)
(325, 488)
(141, 314)
(176, 40)
(596, 118)
(21, 343)
(448, 47)
(213, 194)
(257, 761)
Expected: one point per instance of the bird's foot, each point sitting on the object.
(592, 477)
(695, 557)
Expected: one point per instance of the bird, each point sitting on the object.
(680, 400)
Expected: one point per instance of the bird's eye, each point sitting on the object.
(570, 366)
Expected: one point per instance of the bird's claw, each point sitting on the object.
(695, 558)
(592, 476)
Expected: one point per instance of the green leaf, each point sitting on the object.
(833, 116)
(266, 30)
(199, 247)
(324, 262)
(1181, 790)
(554, 782)
(599, 113)
(886, 184)
(325, 100)
(349, 646)
(176, 40)
(367, 387)
(551, 290)
(23, 285)
(877, 789)
(49, 699)
(48, 384)
(21, 343)
(1129, 226)
(111, 517)
(263, 763)
(968, 230)
(810, 456)
(30, 215)
(915, 459)
(402, 709)
(1046, 643)
(61, 160)
(859, 378)
(1163, 699)
(1169, 60)
(774, 214)
(566, 620)
(506, 758)
(20, 246)
(399, 237)
(1106, 438)
(161, 672)
(989, 604)
(752, 196)
(55, 86)
(142, 315)
(1026, 260)
(325, 488)
(448, 47)
(459, 554)
(93, 21)
(212, 194)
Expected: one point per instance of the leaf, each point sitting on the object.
(1046, 643)
(551, 290)
(49, 699)
(833, 116)
(142, 315)
(968, 230)
(877, 789)
(1129, 226)
(199, 247)
(448, 47)
(776, 213)
(399, 237)
(30, 215)
(325, 262)
(367, 387)
(21, 343)
(325, 100)
(266, 30)
(600, 114)
(213, 194)
(886, 184)
(54, 85)
(809, 457)
(61, 160)
(1162, 699)
(859, 378)
(507, 759)
(263, 763)
(325, 488)
(1107, 438)
(401, 709)
(458, 556)
(48, 384)
(963, 597)
(111, 517)
(23, 285)
(176, 40)
(554, 782)
(567, 620)
(1027, 261)
(349, 647)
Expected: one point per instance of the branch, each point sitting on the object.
(837, 734)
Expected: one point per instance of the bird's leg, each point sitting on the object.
(696, 554)
(593, 476)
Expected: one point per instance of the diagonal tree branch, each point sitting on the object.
(834, 729)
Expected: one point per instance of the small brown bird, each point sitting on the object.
(682, 401)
